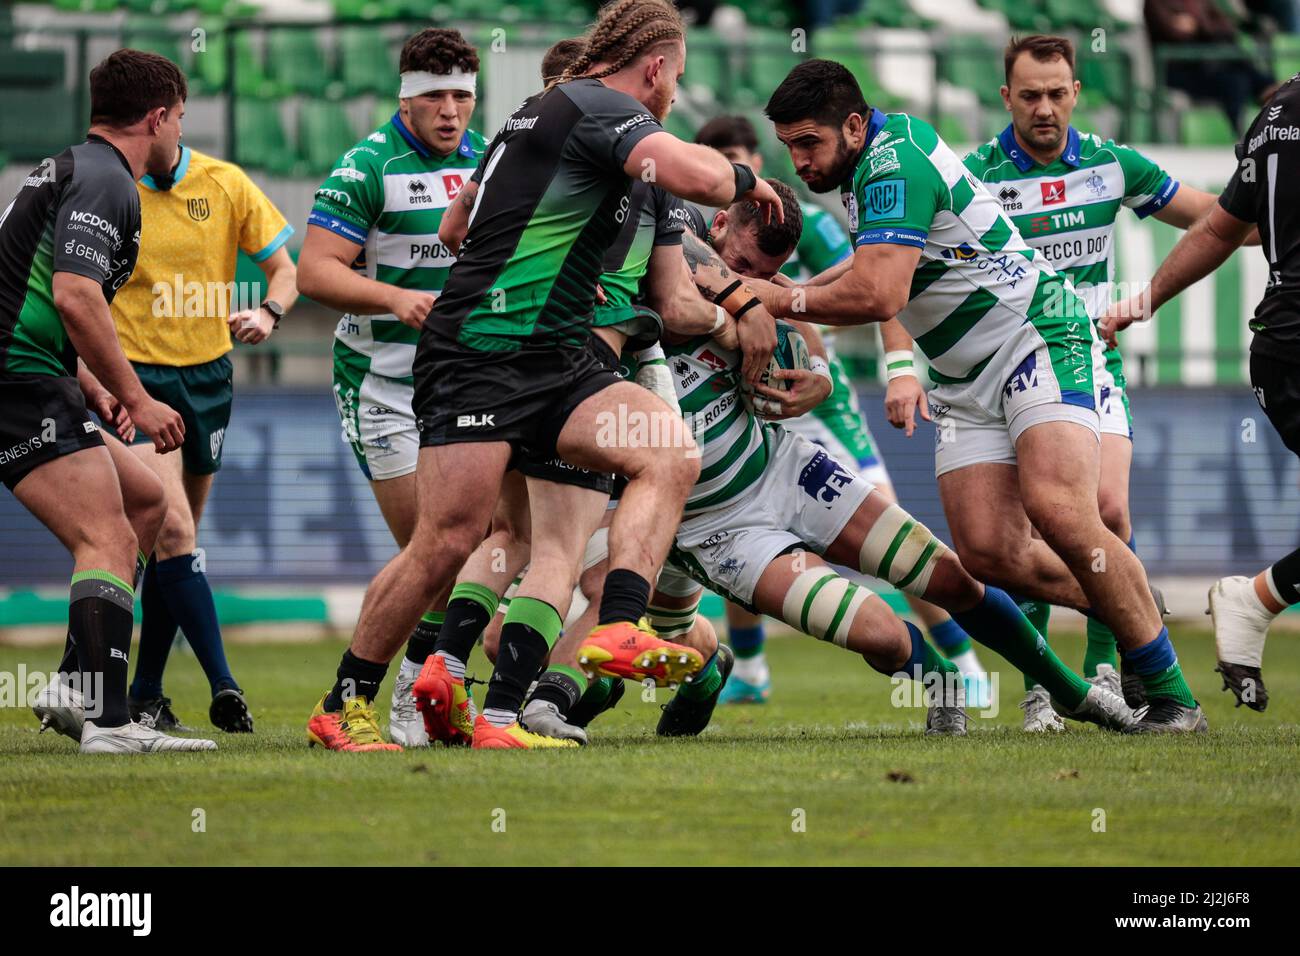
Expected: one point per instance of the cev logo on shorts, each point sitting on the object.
(823, 478)
(1024, 377)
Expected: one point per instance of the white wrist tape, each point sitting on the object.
(722, 320)
(655, 377)
(415, 82)
(901, 550)
(899, 363)
(818, 366)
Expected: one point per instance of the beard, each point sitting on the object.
(841, 169)
(661, 104)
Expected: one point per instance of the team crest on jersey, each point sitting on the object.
(198, 208)
(1096, 185)
(1053, 192)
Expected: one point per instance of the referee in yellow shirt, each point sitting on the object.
(175, 323)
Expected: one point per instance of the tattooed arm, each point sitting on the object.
(455, 221)
(755, 328)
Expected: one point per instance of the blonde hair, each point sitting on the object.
(623, 31)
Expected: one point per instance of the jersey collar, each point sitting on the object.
(875, 123)
(181, 169)
(1024, 162)
(466, 147)
(96, 138)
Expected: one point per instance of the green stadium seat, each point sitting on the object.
(260, 142)
(1206, 126)
(36, 122)
(324, 132)
(250, 76)
(971, 63)
(364, 9)
(1107, 74)
(384, 109)
(155, 38)
(711, 67)
(1286, 52)
(294, 61)
(769, 60)
(365, 63)
(846, 48)
(86, 6)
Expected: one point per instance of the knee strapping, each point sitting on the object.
(901, 550)
(823, 604)
(676, 622)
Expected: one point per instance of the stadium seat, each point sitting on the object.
(36, 122)
(260, 142)
(324, 132)
(295, 63)
(1206, 126)
(152, 37)
(769, 60)
(250, 77)
(365, 63)
(972, 63)
(1286, 53)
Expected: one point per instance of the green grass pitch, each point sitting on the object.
(828, 772)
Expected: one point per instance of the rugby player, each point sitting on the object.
(1063, 189)
(643, 265)
(506, 363)
(773, 504)
(837, 424)
(197, 217)
(372, 251)
(1262, 197)
(68, 241)
(1010, 347)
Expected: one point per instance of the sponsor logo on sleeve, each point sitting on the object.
(349, 173)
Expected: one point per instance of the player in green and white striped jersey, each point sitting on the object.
(1064, 190)
(372, 251)
(1010, 347)
(837, 424)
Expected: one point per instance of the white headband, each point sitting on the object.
(415, 82)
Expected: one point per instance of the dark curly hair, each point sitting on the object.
(438, 51)
(773, 238)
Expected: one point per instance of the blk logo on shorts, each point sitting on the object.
(823, 479)
(1024, 378)
(475, 421)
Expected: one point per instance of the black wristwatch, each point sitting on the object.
(275, 309)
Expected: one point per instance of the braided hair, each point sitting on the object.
(624, 30)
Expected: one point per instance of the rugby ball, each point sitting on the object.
(791, 352)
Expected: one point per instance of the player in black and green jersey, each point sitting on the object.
(68, 241)
(506, 364)
(837, 424)
(1064, 189)
(372, 252)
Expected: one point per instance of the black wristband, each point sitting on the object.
(746, 307)
(745, 179)
(722, 296)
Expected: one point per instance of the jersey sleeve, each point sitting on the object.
(670, 218)
(611, 126)
(262, 228)
(1239, 198)
(824, 242)
(350, 200)
(897, 203)
(695, 220)
(96, 217)
(1147, 187)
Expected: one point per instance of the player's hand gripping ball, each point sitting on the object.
(791, 354)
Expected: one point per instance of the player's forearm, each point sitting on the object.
(337, 286)
(831, 274)
(282, 283)
(90, 328)
(843, 302)
(455, 222)
(700, 175)
(1197, 254)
